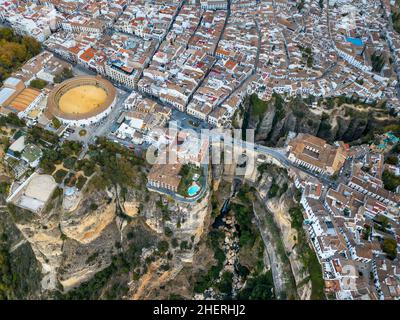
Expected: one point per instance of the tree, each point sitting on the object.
(56, 123)
(393, 160)
(163, 247)
(31, 45)
(14, 51)
(258, 288)
(389, 246)
(225, 285)
(65, 74)
(38, 84)
(13, 120)
(390, 180)
(378, 61)
(60, 175)
(7, 34)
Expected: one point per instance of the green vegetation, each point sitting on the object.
(82, 133)
(87, 166)
(51, 157)
(243, 216)
(118, 165)
(396, 21)
(258, 106)
(225, 284)
(4, 188)
(390, 180)
(274, 190)
(38, 135)
(56, 123)
(206, 280)
(65, 74)
(6, 281)
(378, 61)
(389, 246)
(259, 284)
(15, 266)
(187, 173)
(81, 182)
(69, 162)
(258, 288)
(11, 119)
(393, 160)
(93, 206)
(308, 56)
(15, 50)
(279, 111)
(59, 175)
(325, 126)
(367, 232)
(307, 255)
(300, 5)
(38, 84)
(162, 247)
(47, 162)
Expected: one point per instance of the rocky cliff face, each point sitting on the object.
(17, 257)
(70, 246)
(277, 205)
(186, 223)
(343, 121)
(114, 238)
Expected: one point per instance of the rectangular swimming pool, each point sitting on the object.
(356, 41)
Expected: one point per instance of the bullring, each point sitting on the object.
(82, 100)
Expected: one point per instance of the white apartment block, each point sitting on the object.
(128, 80)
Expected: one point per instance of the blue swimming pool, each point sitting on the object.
(356, 41)
(193, 190)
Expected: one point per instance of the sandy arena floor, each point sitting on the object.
(82, 99)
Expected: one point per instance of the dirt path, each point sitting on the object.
(151, 280)
(145, 280)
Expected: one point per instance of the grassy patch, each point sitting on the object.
(259, 107)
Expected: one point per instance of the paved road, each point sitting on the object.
(228, 14)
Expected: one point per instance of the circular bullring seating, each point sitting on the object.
(81, 100)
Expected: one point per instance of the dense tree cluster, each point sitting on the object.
(11, 119)
(38, 135)
(15, 50)
(38, 84)
(258, 288)
(118, 165)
